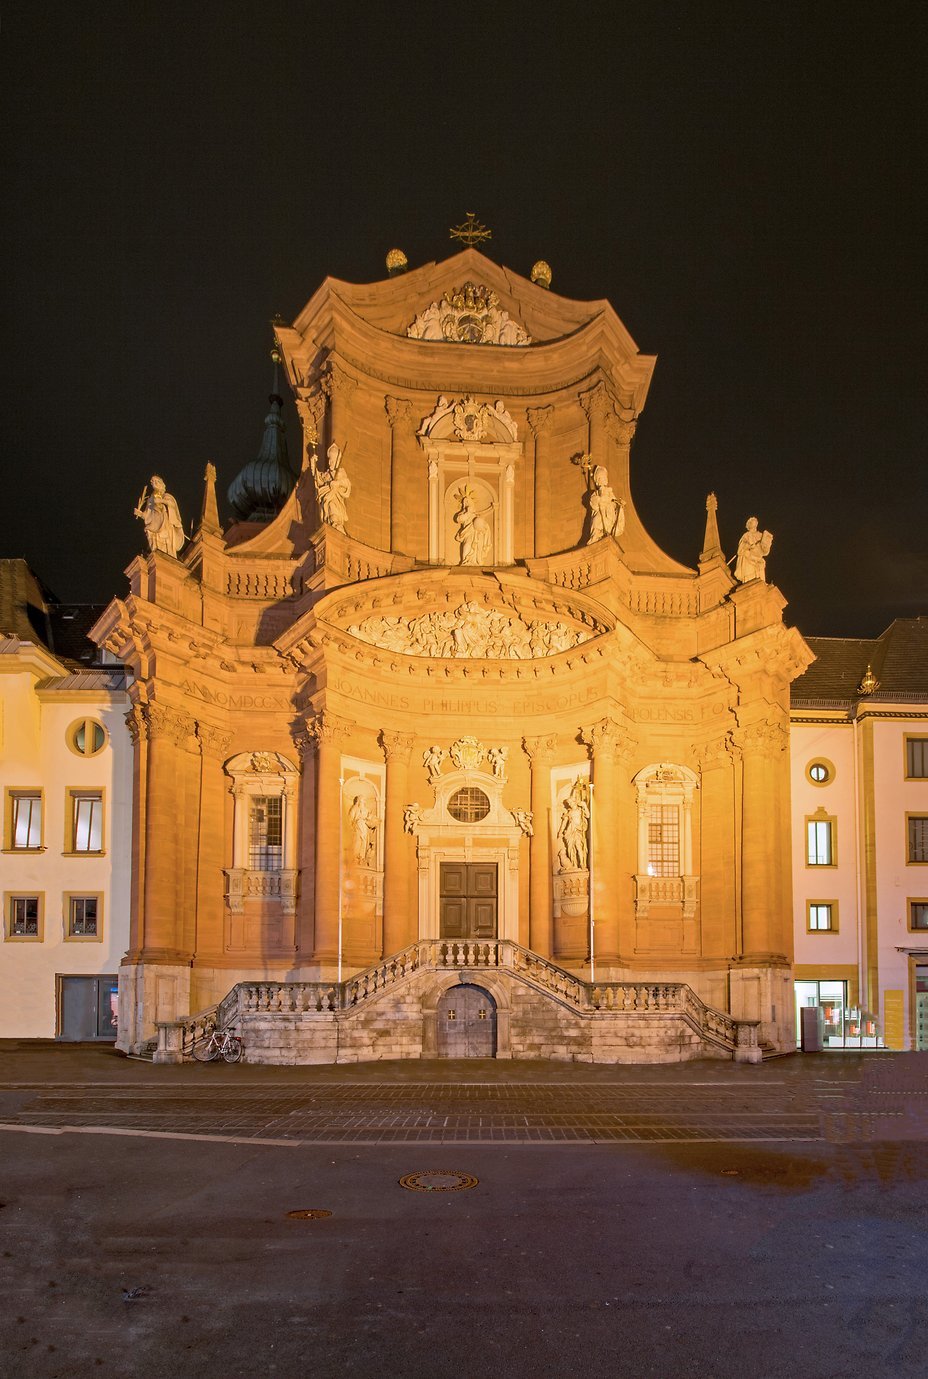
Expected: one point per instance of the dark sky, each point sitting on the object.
(744, 182)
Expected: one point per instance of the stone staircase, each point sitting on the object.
(543, 1011)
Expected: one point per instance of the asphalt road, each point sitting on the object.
(148, 1250)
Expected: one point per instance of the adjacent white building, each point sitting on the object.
(859, 753)
(65, 781)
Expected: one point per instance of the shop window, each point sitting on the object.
(85, 821)
(820, 840)
(918, 915)
(917, 827)
(24, 916)
(86, 737)
(916, 758)
(24, 820)
(84, 916)
(822, 916)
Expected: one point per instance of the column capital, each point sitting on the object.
(336, 380)
(540, 419)
(718, 753)
(607, 740)
(397, 747)
(327, 728)
(214, 742)
(764, 737)
(619, 428)
(539, 749)
(169, 724)
(399, 411)
(597, 401)
(137, 724)
(311, 410)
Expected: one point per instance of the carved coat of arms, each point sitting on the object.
(468, 315)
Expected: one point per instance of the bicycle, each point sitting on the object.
(218, 1044)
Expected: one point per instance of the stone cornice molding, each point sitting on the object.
(397, 747)
(168, 724)
(540, 749)
(399, 412)
(540, 419)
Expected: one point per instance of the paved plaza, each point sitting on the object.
(706, 1221)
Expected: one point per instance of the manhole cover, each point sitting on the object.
(438, 1180)
(308, 1214)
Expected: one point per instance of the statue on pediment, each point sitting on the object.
(753, 549)
(158, 509)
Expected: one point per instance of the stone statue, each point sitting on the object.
(164, 530)
(497, 759)
(523, 818)
(753, 549)
(432, 761)
(412, 818)
(363, 821)
(572, 829)
(607, 512)
(333, 488)
(473, 533)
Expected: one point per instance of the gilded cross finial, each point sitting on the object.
(470, 231)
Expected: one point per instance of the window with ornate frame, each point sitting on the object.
(264, 787)
(23, 819)
(665, 875)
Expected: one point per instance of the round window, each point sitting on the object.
(86, 737)
(820, 772)
(468, 805)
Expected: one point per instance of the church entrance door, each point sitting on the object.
(467, 898)
(466, 1023)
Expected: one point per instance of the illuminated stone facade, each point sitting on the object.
(477, 704)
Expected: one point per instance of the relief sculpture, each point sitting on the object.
(468, 315)
(469, 631)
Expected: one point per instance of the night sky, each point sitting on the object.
(745, 183)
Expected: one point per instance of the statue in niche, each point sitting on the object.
(497, 759)
(432, 761)
(333, 488)
(164, 530)
(573, 828)
(607, 512)
(473, 533)
(363, 820)
(753, 549)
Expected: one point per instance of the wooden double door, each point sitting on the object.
(468, 900)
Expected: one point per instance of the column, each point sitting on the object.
(604, 740)
(400, 922)
(540, 420)
(213, 853)
(764, 843)
(540, 752)
(329, 733)
(168, 732)
(305, 743)
(402, 470)
(719, 864)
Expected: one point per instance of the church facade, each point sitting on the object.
(436, 715)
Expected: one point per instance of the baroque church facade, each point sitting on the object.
(436, 750)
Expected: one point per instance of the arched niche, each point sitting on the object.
(472, 446)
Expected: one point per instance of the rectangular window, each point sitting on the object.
(663, 840)
(265, 834)
(820, 843)
(25, 819)
(821, 917)
(918, 838)
(23, 916)
(918, 914)
(82, 916)
(86, 821)
(916, 758)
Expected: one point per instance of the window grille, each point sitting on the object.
(469, 805)
(24, 916)
(265, 842)
(663, 840)
(918, 838)
(83, 917)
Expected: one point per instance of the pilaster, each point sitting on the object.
(540, 752)
(330, 733)
(400, 921)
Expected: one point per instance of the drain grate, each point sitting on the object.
(448, 1180)
(308, 1214)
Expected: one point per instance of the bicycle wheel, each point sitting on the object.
(206, 1049)
(232, 1048)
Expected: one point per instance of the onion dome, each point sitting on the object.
(261, 487)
